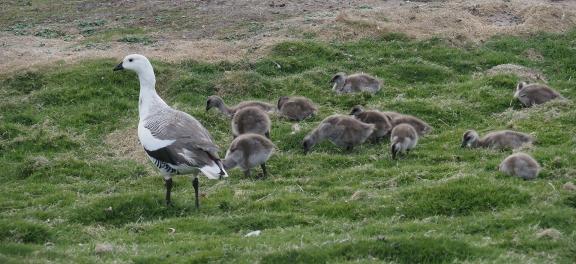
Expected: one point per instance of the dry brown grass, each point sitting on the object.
(247, 28)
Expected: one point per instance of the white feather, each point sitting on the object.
(213, 171)
(149, 141)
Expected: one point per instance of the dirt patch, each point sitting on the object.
(69, 31)
(124, 144)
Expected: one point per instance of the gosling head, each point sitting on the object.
(356, 110)
(307, 144)
(282, 100)
(469, 138)
(213, 102)
(338, 77)
(519, 87)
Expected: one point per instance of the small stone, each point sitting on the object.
(549, 233)
(103, 248)
(253, 233)
(569, 186)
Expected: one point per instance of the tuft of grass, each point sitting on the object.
(401, 250)
(145, 40)
(460, 197)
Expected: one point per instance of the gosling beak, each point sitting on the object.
(119, 67)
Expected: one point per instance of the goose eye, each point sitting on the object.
(130, 60)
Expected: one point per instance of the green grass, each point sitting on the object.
(64, 190)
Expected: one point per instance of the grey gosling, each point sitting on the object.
(382, 122)
(520, 165)
(534, 94)
(248, 151)
(343, 131)
(359, 82)
(296, 108)
(422, 128)
(251, 120)
(402, 139)
(504, 139)
(217, 102)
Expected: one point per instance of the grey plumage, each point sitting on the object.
(520, 165)
(382, 122)
(248, 151)
(217, 102)
(504, 139)
(421, 127)
(354, 83)
(251, 120)
(296, 108)
(343, 131)
(403, 138)
(192, 147)
(534, 94)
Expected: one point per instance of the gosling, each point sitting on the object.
(403, 138)
(248, 151)
(534, 94)
(520, 165)
(504, 139)
(251, 120)
(355, 83)
(296, 108)
(217, 102)
(382, 122)
(343, 131)
(421, 127)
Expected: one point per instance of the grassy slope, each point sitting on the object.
(440, 204)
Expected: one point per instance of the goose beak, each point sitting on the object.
(119, 67)
(463, 145)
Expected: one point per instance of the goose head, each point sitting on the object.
(469, 138)
(134, 62)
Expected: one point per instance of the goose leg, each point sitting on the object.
(264, 172)
(195, 185)
(168, 184)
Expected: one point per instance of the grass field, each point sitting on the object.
(64, 190)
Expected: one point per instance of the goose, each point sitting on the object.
(217, 102)
(341, 130)
(358, 82)
(173, 140)
(382, 122)
(403, 138)
(248, 151)
(296, 108)
(520, 165)
(534, 94)
(503, 139)
(251, 120)
(422, 128)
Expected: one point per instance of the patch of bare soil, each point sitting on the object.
(124, 143)
(214, 30)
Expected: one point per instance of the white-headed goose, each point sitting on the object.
(175, 141)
